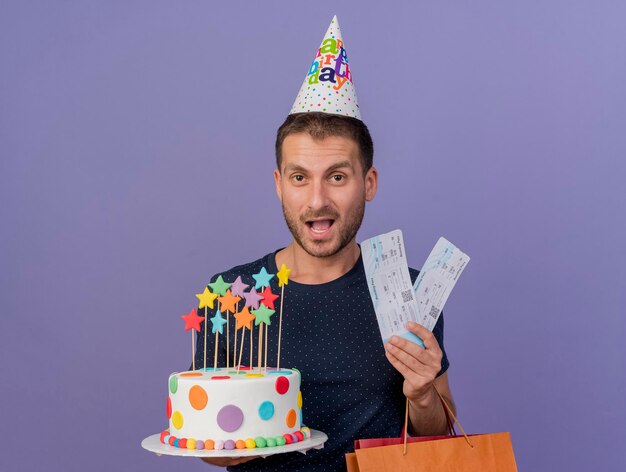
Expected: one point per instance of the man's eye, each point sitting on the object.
(298, 178)
(337, 178)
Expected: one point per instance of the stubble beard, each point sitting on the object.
(346, 233)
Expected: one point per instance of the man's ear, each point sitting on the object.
(371, 183)
(278, 182)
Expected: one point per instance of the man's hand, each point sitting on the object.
(418, 366)
(227, 461)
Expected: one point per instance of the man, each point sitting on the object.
(324, 176)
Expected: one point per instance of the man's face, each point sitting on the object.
(323, 191)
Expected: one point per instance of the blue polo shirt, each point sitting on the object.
(330, 334)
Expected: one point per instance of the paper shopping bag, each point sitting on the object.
(487, 453)
(364, 443)
(352, 465)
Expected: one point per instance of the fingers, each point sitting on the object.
(430, 342)
(414, 370)
(418, 366)
(413, 357)
(425, 335)
(400, 366)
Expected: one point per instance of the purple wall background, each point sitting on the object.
(135, 138)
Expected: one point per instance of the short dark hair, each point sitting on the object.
(321, 125)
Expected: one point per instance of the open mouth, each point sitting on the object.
(320, 227)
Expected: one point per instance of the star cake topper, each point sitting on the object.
(262, 315)
(269, 298)
(219, 286)
(253, 298)
(238, 287)
(283, 275)
(192, 320)
(228, 302)
(206, 298)
(262, 279)
(218, 323)
(244, 318)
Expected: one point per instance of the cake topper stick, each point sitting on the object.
(251, 346)
(206, 300)
(204, 356)
(266, 343)
(218, 328)
(235, 340)
(244, 320)
(238, 290)
(220, 287)
(260, 346)
(268, 301)
(227, 340)
(192, 321)
(235, 347)
(217, 340)
(227, 304)
(243, 336)
(262, 317)
(283, 279)
(252, 301)
(262, 279)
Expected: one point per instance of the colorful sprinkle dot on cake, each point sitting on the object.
(291, 418)
(198, 397)
(177, 420)
(282, 385)
(266, 410)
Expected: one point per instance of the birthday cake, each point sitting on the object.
(235, 407)
(226, 409)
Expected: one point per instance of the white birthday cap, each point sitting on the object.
(328, 85)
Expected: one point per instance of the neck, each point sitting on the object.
(308, 269)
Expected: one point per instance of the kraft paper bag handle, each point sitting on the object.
(451, 430)
(448, 410)
(449, 413)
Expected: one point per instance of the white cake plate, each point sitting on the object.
(154, 444)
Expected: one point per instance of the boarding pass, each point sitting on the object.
(396, 300)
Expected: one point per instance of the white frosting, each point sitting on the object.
(245, 392)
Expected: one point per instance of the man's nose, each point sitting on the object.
(319, 197)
